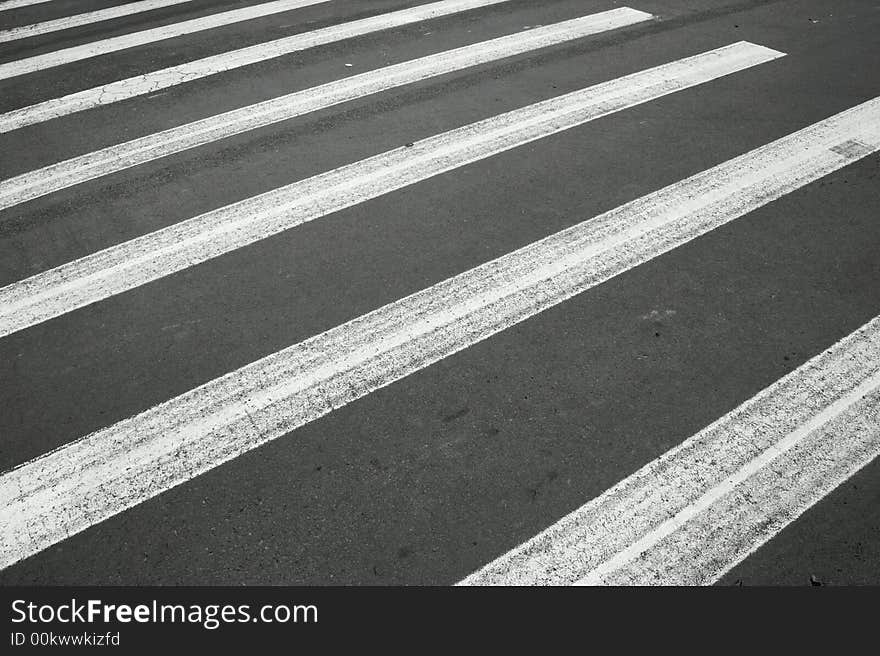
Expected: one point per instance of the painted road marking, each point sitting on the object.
(15, 4)
(97, 476)
(68, 22)
(134, 39)
(213, 128)
(149, 83)
(691, 515)
(185, 244)
(236, 58)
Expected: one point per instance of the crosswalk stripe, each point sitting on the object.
(16, 4)
(154, 81)
(115, 468)
(688, 517)
(68, 22)
(162, 144)
(185, 244)
(244, 56)
(134, 39)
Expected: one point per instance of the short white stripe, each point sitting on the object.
(729, 522)
(78, 20)
(168, 77)
(86, 481)
(161, 144)
(15, 4)
(692, 514)
(225, 61)
(114, 44)
(152, 256)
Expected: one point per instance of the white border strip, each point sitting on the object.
(68, 22)
(182, 245)
(87, 481)
(150, 82)
(691, 515)
(118, 157)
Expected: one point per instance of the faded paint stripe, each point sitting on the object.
(118, 157)
(78, 20)
(695, 512)
(16, 4)
(152, 82)
(86, 481)
(143, 37)
(236, 58)
(161, 253)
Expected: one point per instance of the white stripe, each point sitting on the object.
(151, 147)
(200, 68)
(114, 44)
(97, 476)
(68, 22)
(15, 4)
(161, 253)
(729, 522)
(695, 512)
(236, 58)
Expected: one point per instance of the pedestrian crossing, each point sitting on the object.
(145, 149)
(681, 519)
(154, 81)
(134, 39)
(88, 18)
(239, 58)
(123, 267)
(763, 464)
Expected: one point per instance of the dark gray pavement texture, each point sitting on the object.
(428, 479)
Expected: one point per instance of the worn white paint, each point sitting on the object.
(161, 253)
(88, 18)
(144, 37)
(698, 510)
(225, 61)
(16, 4)
(154, 81)
(213, 128)
(93, 478)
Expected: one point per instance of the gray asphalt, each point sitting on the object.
(428, 479)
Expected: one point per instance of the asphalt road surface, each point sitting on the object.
(219, 368)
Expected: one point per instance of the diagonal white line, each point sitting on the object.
(16, 4)
(692, 514)
(147, 83)
(86, 481)
(161, 253)
(242, 57)
(68, 22)
(143, 37)
(118, 157)
(731, 520)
